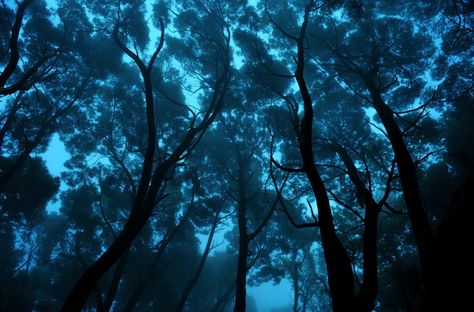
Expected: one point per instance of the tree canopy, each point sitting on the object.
(214, 145)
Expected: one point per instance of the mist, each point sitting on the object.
(231, 155)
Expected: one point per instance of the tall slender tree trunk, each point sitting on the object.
(13, 44)
(409, 180)
(114, 284)
(338, 263)
(241, 279)
(365, 300)
(453, 263)
(296, 288)
(368, 291)
(192, 282)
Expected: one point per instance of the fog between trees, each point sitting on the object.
(214, 145)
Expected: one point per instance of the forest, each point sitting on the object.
(236, 155)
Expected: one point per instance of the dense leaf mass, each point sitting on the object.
(162, 155)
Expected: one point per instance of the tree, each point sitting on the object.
(153, 174)
(240, 165)
(48, 84)
(383, 71)
(216, 145)
(341, 284)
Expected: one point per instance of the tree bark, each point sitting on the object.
(338, 263)
(409, 180)
(241, 279)
(114, 284)
(192, 282)
(453, 260)
(368, 291)
(13, 44)
(296, 290)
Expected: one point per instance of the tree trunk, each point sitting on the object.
(151, 180)
(192, 282)
(338, 263)
(144, 199)
(409, 180)
(89, 279)
(296, 291)
(241, 281)
(138, 217)
(13, 44)
(453, 261)
(114, 284)
(369, 288)
(368, 291)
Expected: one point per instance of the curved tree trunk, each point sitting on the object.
(114, 284)
(408, 177)
(338, 263)
(13, 43)
(79, 294)
(151, 179)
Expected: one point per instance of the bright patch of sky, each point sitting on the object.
(52, 4)
(55, 157)
(269, 296)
